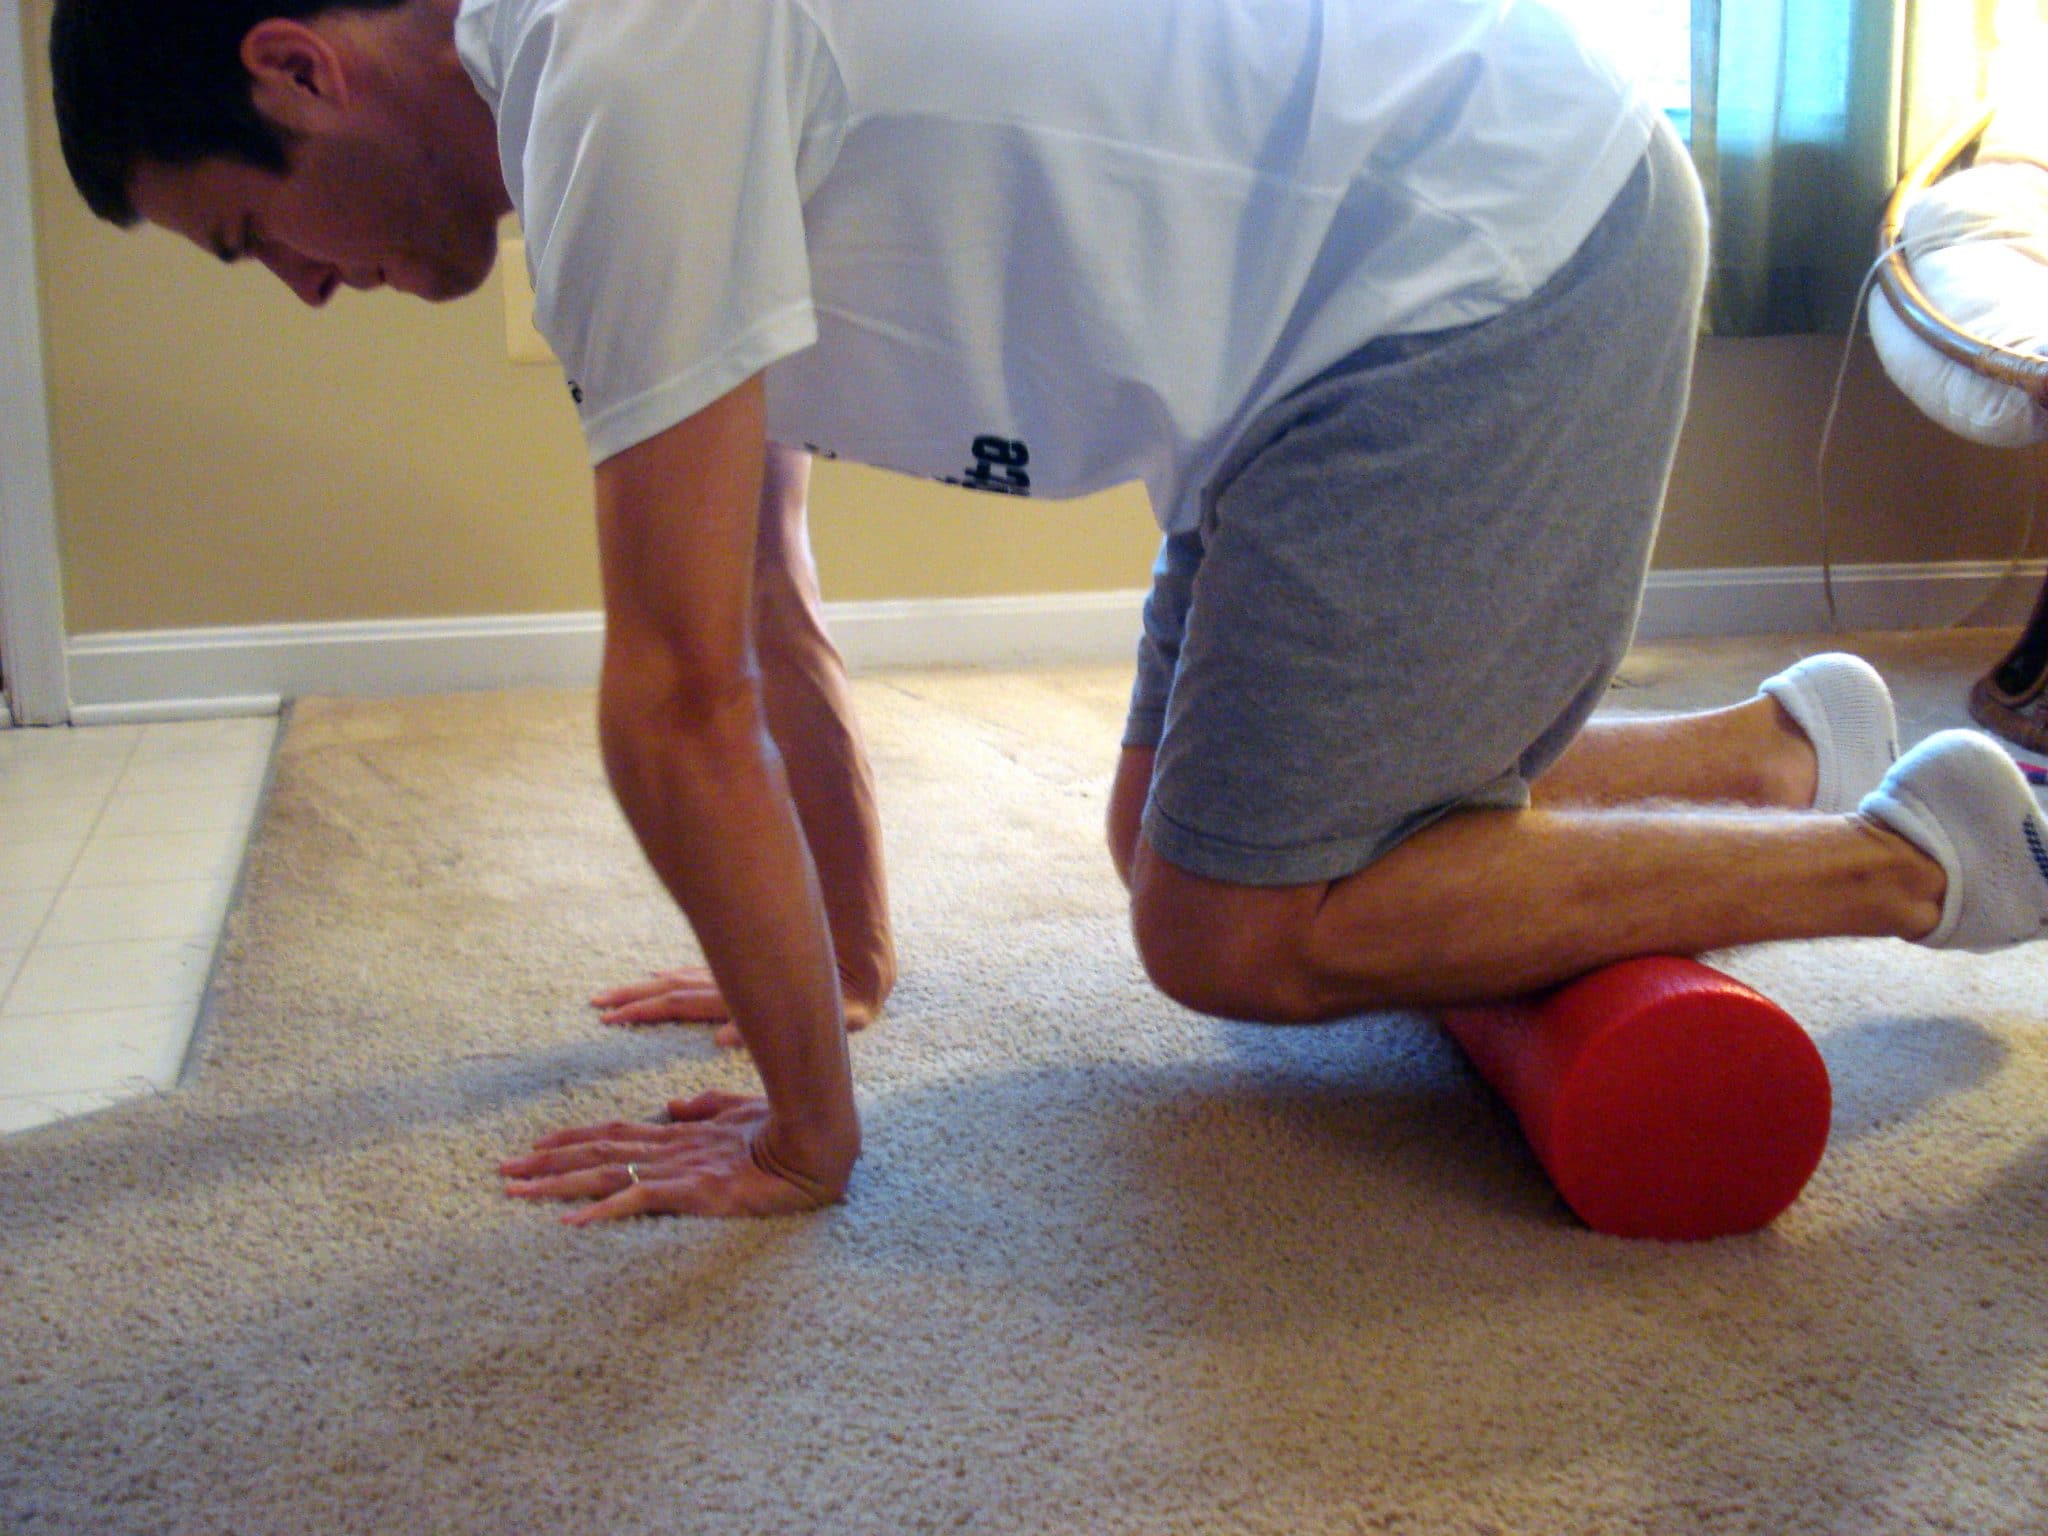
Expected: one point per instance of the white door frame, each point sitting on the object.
(31, 582)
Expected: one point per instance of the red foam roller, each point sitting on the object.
(1664, 1099)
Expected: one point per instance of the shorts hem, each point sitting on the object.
(1144, 730)
(1235, 864)
(1216, 858)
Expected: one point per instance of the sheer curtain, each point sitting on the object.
(1797, 111)
(1953, 60)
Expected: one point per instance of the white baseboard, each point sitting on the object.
(127, 676)
(183, 674)
(1792, 600)
(134, 676)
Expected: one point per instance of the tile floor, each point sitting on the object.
(119, 847)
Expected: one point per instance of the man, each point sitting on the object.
(1390, 303)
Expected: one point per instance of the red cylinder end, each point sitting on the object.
(1664, 1099)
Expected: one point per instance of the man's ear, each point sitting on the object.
(297, 79)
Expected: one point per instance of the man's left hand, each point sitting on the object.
(709, 1159)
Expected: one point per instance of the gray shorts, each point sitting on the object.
(1415, 577)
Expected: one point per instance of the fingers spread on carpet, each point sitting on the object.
(687, 996)
(691, 996)
(703, 1162)
(607, 1152)
(742, 1190)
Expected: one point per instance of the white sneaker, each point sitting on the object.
(1845, 710)
(1961, 800)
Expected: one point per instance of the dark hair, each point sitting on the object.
(162, 82)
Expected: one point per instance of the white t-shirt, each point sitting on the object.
(1034, 246)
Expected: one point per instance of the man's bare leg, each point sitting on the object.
(1677, 836)
(1495, 904)
(1819, 734)
(1750, 754)
(1756, 753)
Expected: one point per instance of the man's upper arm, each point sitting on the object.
(652, 149)
(676, 518)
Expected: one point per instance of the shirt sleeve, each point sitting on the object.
(657, 178)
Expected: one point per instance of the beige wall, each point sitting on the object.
(1899, 489)
(225, 457)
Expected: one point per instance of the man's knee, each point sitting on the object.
(1231, 951)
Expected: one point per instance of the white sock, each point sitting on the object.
(1845, 710)
(1960, 799)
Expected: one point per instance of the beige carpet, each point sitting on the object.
(1108, 1267)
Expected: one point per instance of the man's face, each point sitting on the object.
(355, 214)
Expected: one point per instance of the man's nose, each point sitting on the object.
(313, 281)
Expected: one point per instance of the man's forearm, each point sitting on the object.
(810, 713)
(705, 792)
